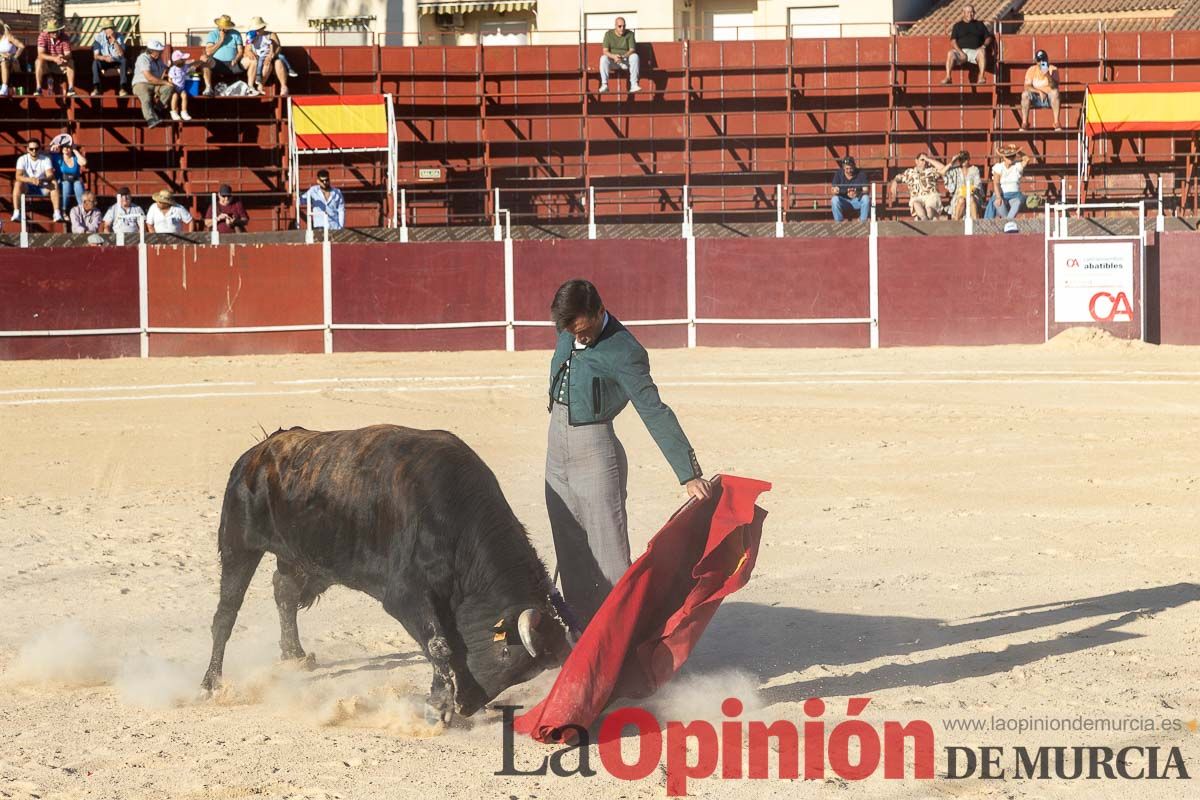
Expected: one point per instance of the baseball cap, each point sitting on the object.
(225, 191)
(1011, 227)
(1041, 56)
(124, 190)
(848, 161)
(155, 44)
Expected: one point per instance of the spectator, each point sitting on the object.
(963, 183)
(124, 216)
(231, 214)
(85, 217)
(178, 75)
(35, 176)
(167, 216)
(10, 56)
(68, 163)
(265, 47)
(620, 51)
(970, 40)
(224, 57)
(108, 53)
(54, 57)
(924, 201)
(150, 85)
(1006, 182)
(1041, 89)
(327, 205)
(851, 191)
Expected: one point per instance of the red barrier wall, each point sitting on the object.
(64, 288)
(641, 279)
(418, 283)
(962, 290)
(782, 279)
(234, 286)
(1179, 288)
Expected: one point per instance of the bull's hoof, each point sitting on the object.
(211, 682)
(435, 715)
(439, 649)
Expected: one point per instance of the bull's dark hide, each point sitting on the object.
(413, 518)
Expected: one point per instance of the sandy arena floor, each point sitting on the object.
(954, 533)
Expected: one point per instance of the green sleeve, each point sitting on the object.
(633, 376)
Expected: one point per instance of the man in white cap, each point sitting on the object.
(264, 55)
(167, 216)
(150, 84)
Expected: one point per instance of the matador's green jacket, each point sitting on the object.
(606, 375)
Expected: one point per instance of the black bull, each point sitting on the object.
(413, 518)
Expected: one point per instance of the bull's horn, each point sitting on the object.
(527, 628)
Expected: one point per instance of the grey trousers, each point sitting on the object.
(586, 476)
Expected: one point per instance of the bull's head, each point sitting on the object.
(516, 646)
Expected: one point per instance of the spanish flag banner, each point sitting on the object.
(1142, 107)
(340, 123)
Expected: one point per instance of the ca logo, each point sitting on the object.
(1118, 304)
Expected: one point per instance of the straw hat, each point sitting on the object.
(108, 22)
(1008, 149)
(223, 21)
(256, 24)
(53, 27)
(163, 196)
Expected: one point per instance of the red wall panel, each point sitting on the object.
(1179, 288)
(418, 282)
(410, 341)
(644, 279)
(962, 290)
(64, 288)
(234, 286)
(782, 279)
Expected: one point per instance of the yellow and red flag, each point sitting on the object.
(340, 123)
(1140, 107)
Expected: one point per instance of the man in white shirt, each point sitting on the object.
(327, 205)
(167, 216)
(124, 216)
(35, 177)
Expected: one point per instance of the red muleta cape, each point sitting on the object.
(656, 613)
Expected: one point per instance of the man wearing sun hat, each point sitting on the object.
(264, 56)
(150, 84)
(108, 52)
(167, 216)
(223, 51)
(54, 56)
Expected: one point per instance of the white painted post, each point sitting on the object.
(120, 236)
(497, 233)
(507, 224)
(691, 290)
(686, 231)
(873, 273)
(142, 230)
(308, 223)
(779, 211)
(24, 230)
(143, 297)
(327, 288)
(404, 215)
(216, 237)
(326, 225)
(510, 333)
(1159, 222)
(591, 212)
(1142, 259)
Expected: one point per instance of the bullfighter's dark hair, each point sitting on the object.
(574, 299)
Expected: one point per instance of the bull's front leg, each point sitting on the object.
(418, 613)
